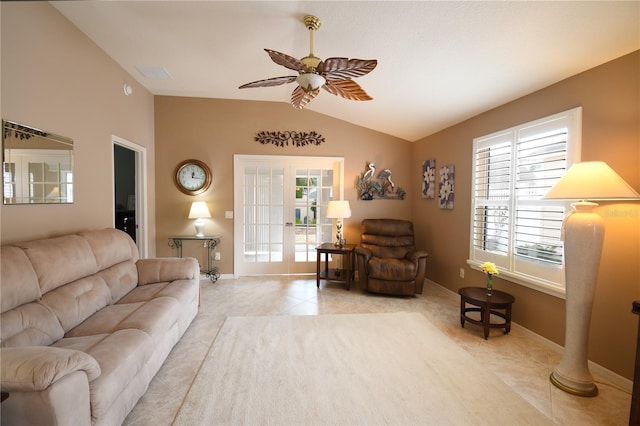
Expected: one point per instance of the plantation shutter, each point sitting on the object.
(511, 224)
(541, 157)
(492, 194)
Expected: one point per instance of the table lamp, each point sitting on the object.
(199, 210)
(583, 237)
(339, 210)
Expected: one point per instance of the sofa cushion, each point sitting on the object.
(75, 302)
(32, 324)
(120, 278)
(111, 246)
(182, 290)
(122, 355)
(154, 317)
(18, 278)
(58, 261)
(391, 269)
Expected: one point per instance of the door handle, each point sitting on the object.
(288, 224)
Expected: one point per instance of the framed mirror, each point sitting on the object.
(37, 166)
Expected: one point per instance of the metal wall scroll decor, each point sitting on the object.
(371, 186)
(21, 132)
(285, 138)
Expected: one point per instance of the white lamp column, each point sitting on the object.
(199, 211)
(583, 237)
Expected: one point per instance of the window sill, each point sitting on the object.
(526, 280)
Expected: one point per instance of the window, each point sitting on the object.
(511, 225)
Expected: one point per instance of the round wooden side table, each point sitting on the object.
(486, 305)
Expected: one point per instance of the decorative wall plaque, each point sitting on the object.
(289, 137)
(372, 186)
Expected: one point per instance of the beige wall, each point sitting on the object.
(54, 78)
(610, 96)
(213, 130)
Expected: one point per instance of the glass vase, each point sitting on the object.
(489, 285)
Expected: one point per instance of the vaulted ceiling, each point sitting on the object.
(439, 62)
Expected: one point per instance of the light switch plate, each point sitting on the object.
(228, 214)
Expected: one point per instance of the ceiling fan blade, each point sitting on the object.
(288, 61)
(299, 98)
(348, 89)
(344, 68)
(275, 81)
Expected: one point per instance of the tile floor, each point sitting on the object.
(519, 360)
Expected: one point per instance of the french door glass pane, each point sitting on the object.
(263, 214)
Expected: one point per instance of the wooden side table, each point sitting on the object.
(344, 274)
(486, 305)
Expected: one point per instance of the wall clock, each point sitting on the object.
(192, 177)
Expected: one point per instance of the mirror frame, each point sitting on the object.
(18, 176)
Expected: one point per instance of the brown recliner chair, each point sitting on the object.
(387, 259)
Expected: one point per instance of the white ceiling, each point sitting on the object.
(439, 63)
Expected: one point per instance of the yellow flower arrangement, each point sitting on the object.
(490, 269)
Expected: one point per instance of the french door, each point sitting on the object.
(280, 208)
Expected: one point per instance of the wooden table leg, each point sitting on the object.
(486, 320)
(318, 269)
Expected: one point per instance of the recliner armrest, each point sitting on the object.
(417, 254)
(35, 368)
(364, 252)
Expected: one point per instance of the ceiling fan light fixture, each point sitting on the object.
(310, 81)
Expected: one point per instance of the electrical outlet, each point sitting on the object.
(461, 272)
(216, 256)
(204, 244)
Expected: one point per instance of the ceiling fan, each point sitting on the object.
(333, 74)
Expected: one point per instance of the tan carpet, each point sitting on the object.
(369, 369)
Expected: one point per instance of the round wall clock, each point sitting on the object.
(192, 177)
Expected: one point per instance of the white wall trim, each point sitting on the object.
(612, 378)
(142, 212)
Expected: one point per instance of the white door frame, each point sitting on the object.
(142, 232)
(240, 159)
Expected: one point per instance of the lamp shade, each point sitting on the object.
(199, 210)
(591, 180)
(310, 81)
(338, 209)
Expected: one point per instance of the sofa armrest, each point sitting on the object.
(35, 368)
(167, 269)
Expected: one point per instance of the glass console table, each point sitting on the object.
(210, 242)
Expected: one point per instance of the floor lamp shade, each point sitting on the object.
(583, 237)
(339, 209)
(199, 211)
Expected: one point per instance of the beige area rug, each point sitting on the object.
(371, 369)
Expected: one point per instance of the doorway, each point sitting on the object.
(280, 211)
(129, 183)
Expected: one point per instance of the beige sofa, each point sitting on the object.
(85, 325)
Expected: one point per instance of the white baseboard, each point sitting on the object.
(222, 276)
(615, 379)
(608, 375)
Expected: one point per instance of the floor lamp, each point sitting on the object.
(583, 237)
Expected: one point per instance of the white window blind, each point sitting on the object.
(511, 225)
